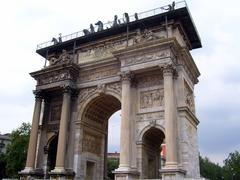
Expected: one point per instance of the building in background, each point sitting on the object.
(4, 141)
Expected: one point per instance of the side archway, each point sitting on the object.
(150, 148)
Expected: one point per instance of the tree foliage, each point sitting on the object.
(112, 164)
(17, 150)
(209, 169)
(232, 166)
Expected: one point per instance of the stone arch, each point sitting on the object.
(148, 127)
(89, 95)
(93, 116)
(151, 138)
(52, 151)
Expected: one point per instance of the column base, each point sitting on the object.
(123, 173)
(62, 174)
(172, 173)
(29, 173)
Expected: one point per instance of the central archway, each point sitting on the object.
(95, 134)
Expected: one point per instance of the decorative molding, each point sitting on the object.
(126, 76)
(84, 94)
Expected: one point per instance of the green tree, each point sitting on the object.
(209, 169)
(232, 166)
(2, 165)
(17, 150)
(112, 164)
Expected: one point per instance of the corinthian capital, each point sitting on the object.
(38, 94)
(126, 76)
(168, 69)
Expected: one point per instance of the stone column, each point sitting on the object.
(125, 136)
(62, 137)
(31, 155)
(170, 117)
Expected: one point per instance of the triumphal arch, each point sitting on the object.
(138, 64)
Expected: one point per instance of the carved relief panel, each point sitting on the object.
(91, 143)
(189, 97)
(151, 98)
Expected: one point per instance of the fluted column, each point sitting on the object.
(170, 117)
(125, 135)
(31, 155)
(62, 137)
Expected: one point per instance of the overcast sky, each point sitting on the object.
(26, 23)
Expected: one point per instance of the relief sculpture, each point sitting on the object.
(189, 98)
(91, 143)
(153, 98)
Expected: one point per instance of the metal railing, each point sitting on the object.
(109, 24)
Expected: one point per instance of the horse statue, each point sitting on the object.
(86, 32)
(54, 40)
(100, 26)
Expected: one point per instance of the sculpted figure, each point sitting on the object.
(54, 40)
(86, 32)
(92, 30)
(136, 16)
(60, 38)
(65, 57)
(126, 17)
(115, 22)
(100, 25)
(138, 37)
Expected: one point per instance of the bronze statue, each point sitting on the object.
(60, 38)
(54, 40)
(115, 22)
(100, 26)
(86, 32)
(92, 30)
(136, 16)
(126, 17)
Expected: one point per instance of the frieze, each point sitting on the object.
(150, 116)
(91, 143)
(152, 98)
(100, 73)
(149, 81)
(54, 77)
(146, 57)
(101, 51)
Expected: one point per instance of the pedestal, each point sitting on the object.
(121, 174)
